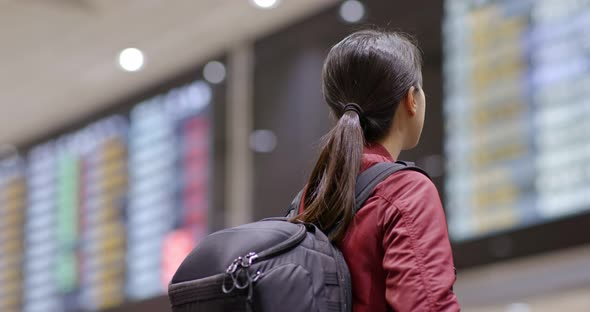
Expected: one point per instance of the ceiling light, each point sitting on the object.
(263, 141)
(265, 4)
(519, 307)
(352, 11)
(131, 59)
(214, 72)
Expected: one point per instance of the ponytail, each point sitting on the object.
(372, 68)
(330, 193)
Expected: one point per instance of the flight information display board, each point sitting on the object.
(517, 113)
(105, 214)
(12, 216)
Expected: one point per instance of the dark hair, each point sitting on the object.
(374, 70)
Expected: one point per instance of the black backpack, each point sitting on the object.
(271, 265)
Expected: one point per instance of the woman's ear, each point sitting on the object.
(410, 102)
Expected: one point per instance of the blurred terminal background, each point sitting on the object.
(131, 129)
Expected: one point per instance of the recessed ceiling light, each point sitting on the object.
(214, 72)
(265, 4)
(263, 141)
(352, 11)
(519, 307)
(131, 59)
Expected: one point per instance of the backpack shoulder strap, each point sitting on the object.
(368, 180)
(365, 183)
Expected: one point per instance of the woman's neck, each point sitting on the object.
(393, 143)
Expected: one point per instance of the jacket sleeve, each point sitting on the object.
(418, 261)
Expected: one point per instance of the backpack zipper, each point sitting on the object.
(243, 263)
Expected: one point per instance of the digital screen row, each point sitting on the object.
(104, 215)
(517, 114)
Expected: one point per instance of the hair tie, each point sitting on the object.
(354, 108)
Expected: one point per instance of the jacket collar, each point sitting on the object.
(377, 149)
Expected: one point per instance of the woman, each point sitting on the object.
(397, 246)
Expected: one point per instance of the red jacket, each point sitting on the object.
(397, 246)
